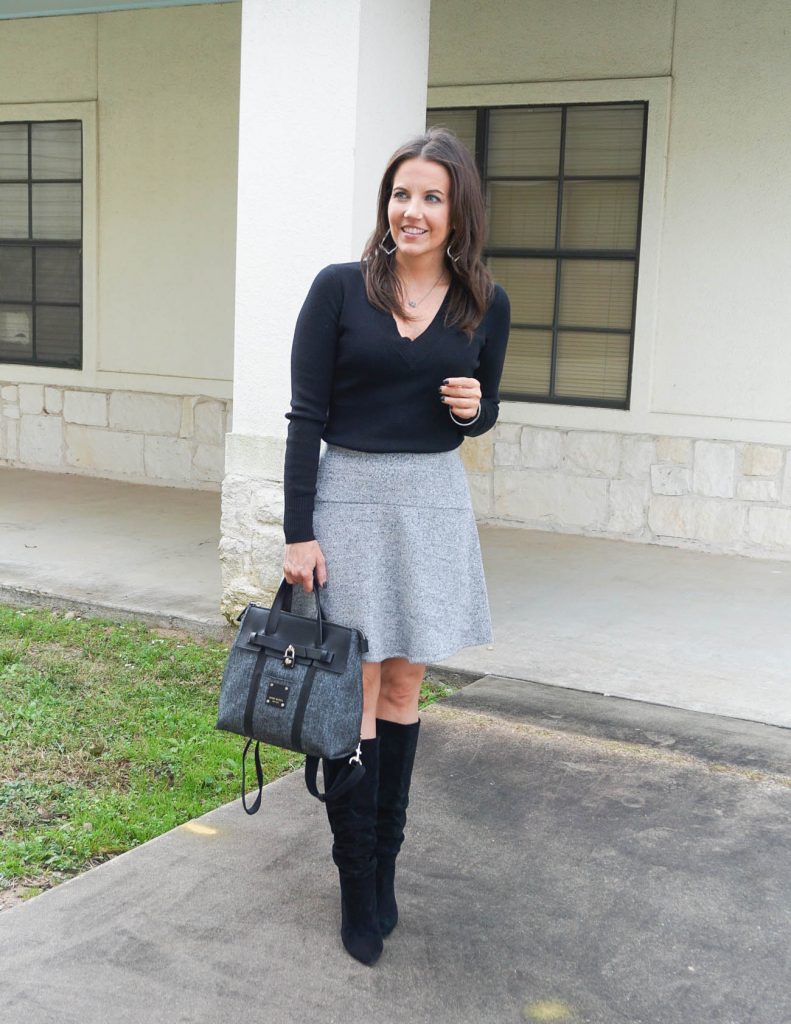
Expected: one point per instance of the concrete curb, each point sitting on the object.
(716, 739)
(20, 597)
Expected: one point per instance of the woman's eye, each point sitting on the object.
(399, 194)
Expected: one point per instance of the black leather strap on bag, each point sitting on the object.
(348, 777)
(252, 694)
(278, 605)
(259, 774)
(280, 644)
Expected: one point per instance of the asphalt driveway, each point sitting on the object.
(566, 860)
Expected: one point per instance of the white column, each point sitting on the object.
(327, 92)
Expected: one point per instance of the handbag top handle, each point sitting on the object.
(284, 589)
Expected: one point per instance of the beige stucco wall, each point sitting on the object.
(548, 40)
(162, 198)
(722, 346)
(712, 358)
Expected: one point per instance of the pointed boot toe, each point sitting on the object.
(360, 932)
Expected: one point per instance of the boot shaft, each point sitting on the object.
(398, 744)
(352, 816)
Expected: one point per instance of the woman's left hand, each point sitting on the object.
(462, 395)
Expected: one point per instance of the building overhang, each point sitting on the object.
(49, 8)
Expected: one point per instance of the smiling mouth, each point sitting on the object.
(413, 232)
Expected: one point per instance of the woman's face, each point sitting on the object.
(420, 201)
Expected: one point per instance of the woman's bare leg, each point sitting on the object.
(399, 690)
(371, 682)
(391, 690)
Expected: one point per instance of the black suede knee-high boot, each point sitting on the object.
(352, 818)
(396, 759)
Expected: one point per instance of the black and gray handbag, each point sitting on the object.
(296, 682)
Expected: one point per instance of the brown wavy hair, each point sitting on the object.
(471, 285)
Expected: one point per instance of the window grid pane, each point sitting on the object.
(596, 293)
(57, 211)
(599, 214)
(41, 285)
(529, 363)
(604, 140)
(530, 284)
(16, 274)
(57, 275)
(56, 150)
(13, 152)
(13, 211)
(592, 365)
(521, 214)
(523, 141)
(57, 334)
(16, 332)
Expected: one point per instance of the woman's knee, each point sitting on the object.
(400, 682)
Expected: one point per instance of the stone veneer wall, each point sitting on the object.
(718, 496)
(710, 495)
(251, 541)
(125, 435)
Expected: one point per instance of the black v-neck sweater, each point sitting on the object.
(358, 383)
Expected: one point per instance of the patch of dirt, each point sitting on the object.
(19, 892)
(169, 633)
(56, 649)
(23, 892)
(80, 768)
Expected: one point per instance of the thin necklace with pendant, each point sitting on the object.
(417, 302)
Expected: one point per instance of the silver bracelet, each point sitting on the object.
(466, 423)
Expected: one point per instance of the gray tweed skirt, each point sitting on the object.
(398, 534)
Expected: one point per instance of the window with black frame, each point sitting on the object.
(564, 187)
(41, 243)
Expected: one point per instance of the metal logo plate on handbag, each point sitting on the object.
(277, 694)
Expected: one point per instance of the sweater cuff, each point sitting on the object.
(298, 520)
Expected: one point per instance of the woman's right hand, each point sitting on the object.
(299, 562)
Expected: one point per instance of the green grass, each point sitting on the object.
(107, 739)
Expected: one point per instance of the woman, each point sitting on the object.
(396, 359)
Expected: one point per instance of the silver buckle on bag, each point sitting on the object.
(288, 657)
(356, 757)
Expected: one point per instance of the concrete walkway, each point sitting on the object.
(593, 861)
(696, 631)
(108, 546)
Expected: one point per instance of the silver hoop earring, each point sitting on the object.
(382, 243)
(454, 258)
